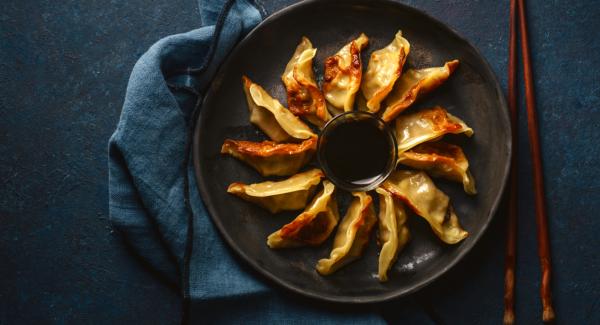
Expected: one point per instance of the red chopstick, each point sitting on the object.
(538, 176)
(511, 237)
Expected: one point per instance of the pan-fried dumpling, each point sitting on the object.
(419, 193)
(313, 226)
(385, 67)
(426, 125)
(441, 159)
(271, 117)
(303, 95)
(414, 84)
(352, 235)
(287, 195)
(270, 158)
(393, 232)
(342, 75)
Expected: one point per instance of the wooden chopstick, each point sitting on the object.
(511, 231)
(538, 176)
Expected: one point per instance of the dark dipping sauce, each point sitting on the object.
(357, 150)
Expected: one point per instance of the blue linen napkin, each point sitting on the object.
(151, 178)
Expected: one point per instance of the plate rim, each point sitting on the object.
(377, 298)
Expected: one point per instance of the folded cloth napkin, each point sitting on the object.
(151, 179)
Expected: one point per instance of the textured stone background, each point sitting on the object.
(64, 67)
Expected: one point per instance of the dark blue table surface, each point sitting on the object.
(63, 71)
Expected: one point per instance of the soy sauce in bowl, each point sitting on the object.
(357, 151)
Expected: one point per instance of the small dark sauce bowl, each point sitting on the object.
(356, 117)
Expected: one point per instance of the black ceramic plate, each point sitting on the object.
(472, 94)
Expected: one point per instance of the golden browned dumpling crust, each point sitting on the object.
(286, 195)
(421, 195)
(313, 226)
(441, 159)
(304, 97)
(271, 158)
(343, 74)
(413, 85)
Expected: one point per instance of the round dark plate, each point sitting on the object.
(472, 94)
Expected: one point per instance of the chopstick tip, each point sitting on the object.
(509, 317)
(548, 314)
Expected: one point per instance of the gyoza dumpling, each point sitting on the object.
(426, 125)
(270, 158)
(303, 95)
(385, 66)
(290, 194)
(393, 232)
(271, 117)
(313, 226)
(342, 75)
(441, 159)
(419, 193)
(414, 84)
(352, 235)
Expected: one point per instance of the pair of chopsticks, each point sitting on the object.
(538, 177)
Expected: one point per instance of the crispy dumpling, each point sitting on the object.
(271, 117)
(303, 95)
(414, 84)
(385, 67)
(441, 159)
(427, 125)
(287, 195)
(419, 193)
(352, 235)
(343, 74)
(270, 158)
(393, 232)
(313, 226)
